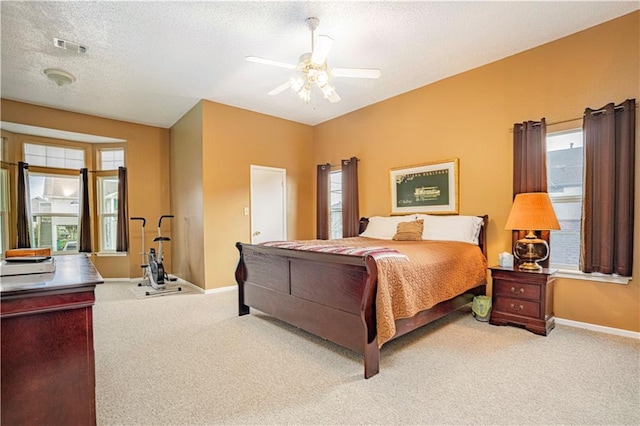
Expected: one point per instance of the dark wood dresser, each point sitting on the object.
(48, 370)
(523, 298)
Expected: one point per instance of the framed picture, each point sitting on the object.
(425, 188)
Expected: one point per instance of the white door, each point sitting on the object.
(268, 204)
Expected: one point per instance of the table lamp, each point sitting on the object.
(532, 211)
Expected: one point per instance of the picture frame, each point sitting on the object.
(425, 188)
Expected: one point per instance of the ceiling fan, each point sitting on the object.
(312, 69)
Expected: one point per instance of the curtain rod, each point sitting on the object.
(336, 165)
(7, 163)
(617, 107)
(578, 118)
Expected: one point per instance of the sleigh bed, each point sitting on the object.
(359, 292)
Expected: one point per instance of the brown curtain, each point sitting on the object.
(23, 206)
(84, 231)
(530, 166)
(122, 241)
(350, 210)
(607, 206)
(322, 203)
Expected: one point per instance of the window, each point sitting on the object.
(108, 212)
(53, 156)
(111, 159)
(54, 210)
(335, 208)
(107, 197)
(564, 179)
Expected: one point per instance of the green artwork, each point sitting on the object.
(430, 188)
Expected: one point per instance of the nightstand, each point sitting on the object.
(523, 298)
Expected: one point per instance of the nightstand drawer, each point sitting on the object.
(517, 290)
(517, 307)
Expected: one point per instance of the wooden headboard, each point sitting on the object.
(482, 238)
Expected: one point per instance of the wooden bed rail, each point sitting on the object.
(329, 295)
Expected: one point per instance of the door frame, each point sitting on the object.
(283, 172)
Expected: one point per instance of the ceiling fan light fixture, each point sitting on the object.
(322, 78)
(60, 77)
(330, 93)
(312, 69)
(305, 93)
(327, 90)
(297, 83)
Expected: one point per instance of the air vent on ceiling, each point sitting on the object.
(69, 45)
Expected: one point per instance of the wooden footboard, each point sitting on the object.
(329, 295)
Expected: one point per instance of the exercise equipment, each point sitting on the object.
(154, 274)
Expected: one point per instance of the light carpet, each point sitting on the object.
(192, 361)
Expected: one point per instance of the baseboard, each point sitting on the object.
(115, 279)
(221, 289)
(188, 284)
(600, 328)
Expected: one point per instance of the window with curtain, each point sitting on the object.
(590, 178)
(530, 167)
(350, 203)
(564, 181)
(323, 188)
(335, 205)
(54, 211)
(55, 196)
(608, 202)
(107, 212)
(337, 200)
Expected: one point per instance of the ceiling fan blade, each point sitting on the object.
(270, 62)
(356, 72)
(321, 49)
(280, 88)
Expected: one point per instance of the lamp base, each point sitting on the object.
(530, 266)
(531, 250)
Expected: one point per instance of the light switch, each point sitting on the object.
(246, 211)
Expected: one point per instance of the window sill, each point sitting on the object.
(111, 253)
(594, 276)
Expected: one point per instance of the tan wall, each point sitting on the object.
(470, 116)
(186, 197)
(234, 139)
(147, 160)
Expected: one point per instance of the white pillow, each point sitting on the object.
(451, 228)
(384, 228)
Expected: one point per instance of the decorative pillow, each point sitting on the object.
(409, 231)
(451, 228)
(384, 228)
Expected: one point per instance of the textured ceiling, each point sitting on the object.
(150, 62)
